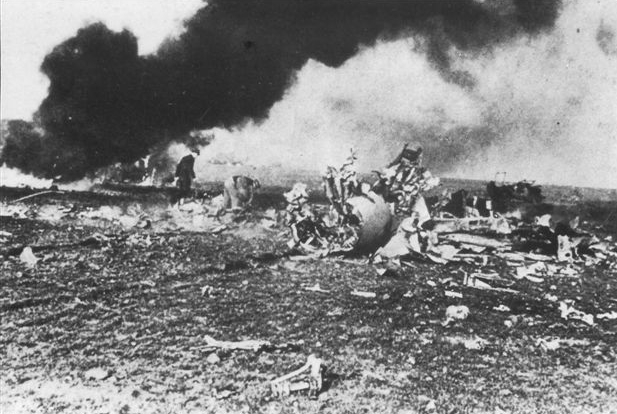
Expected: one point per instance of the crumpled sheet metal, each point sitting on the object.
(361, 217)
(498, 225)
(367, 225)
(365, 218)
(402, 184)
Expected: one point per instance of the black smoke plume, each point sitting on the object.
(235, 59)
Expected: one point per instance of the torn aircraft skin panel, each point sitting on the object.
(392, 219)
(361, 216)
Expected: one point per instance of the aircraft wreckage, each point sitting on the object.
(392, 219)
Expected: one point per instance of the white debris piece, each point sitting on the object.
(213, 358)
(609, 316)
(564, 249)
(474, 343)
(569, 312)
(397, 246)
(420, 210)
(430, 406)
(103, 212)
(28, 257)
(456, 313)
(249, 344)
(207, 290)
(446, 251)
(474, 281)
(551, 298)
(548, 344)
(369, 295)
(316, 288)
(128, 221)
(475, 240)
(544, 221)
(528, 272)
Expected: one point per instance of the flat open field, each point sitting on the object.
(113, 317)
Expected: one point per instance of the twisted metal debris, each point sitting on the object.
(391, 218)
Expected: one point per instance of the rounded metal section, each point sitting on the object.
(375, 219)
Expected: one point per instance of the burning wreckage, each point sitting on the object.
(392, 219)
(395, 219)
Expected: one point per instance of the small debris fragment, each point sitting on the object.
(544, 221)
(529, 271)
(475, 343)
(564, 248)
(608, 316)
(219, 229)
(430, 406)
(309, 377)
(475, 282)
(454, 313)
(551, 298)
(452, 294)
(568, 312)
(249, 345)
(316, 288)
(369, 295)
(28, 257)
(548, 344)
(224, 394)
(207, 291)
(213, 358)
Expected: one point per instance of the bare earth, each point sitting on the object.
(112, 317)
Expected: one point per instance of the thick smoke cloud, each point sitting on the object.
(541, 107)
(233, 62)
(551, 104)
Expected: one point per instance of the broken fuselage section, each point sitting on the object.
(361, 217)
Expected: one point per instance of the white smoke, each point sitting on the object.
(360, 105)
(12, 177)
(553, 102)
(542, 108)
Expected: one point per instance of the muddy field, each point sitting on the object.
(112, 313)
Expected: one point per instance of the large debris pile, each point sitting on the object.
(361, 216)
(391, 219)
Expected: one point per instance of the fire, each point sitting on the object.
(12, 177)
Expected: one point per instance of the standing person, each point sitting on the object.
(186, 173)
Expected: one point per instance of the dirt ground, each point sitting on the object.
(112, 319)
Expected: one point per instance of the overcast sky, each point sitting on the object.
(31, 28)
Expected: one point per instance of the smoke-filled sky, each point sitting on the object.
(540, 107)
(31, 29)
(523, 86)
